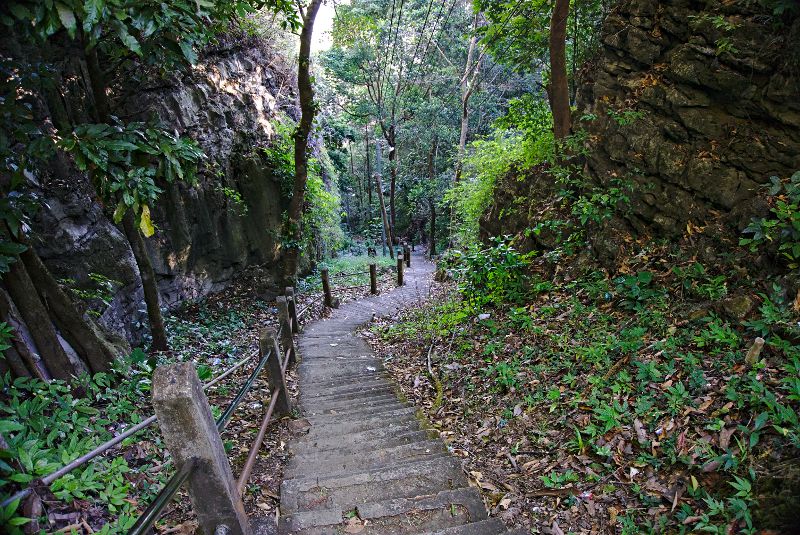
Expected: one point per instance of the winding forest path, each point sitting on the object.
(366, 465)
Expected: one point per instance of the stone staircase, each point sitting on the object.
(366, 465)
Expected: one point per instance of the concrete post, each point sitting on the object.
(326, 288)
(399, 270)
(373, 279)
(287, 339)
(292, 309)
(268, 343)
(190, 434)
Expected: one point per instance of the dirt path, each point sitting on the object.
(366, 465)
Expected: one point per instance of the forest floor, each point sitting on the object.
(52, 424)
(628, 404)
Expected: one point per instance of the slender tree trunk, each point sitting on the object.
(307, 108)
(432, 248)
(393, 163)
(146, 273)
(369, 170)
(149, 285)
(467, 87)
(558, 92)
(23, 293)
(387, 229)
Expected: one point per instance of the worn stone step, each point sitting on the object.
(352, 462)
(325, 478)
(364, 442)
(336, 390)
(334, 403)
(349, 497)
(343, 427)
(446, 466)
(343, 414)
(334, 459)
(398, 516)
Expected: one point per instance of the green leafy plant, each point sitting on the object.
(782, 229)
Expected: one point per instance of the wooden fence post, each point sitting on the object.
(326, 288)
(287, 339)
(292, 309)
(399, 270)
(407, 254)
(373, 279)
(191, 435)
(267, 343)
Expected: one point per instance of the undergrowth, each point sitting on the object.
(629, 402)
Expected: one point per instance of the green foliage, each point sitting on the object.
(491, 275)
(125, 161)
(522, 139)
(782, 229)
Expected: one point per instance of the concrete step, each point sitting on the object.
(404, 466)
(334, 403)
(346, 498)
(358, 413)
(320, 380)
(359, 461)
(397, 516)
(323, 392)
(344, 427)
(333, 459)
(362, 442)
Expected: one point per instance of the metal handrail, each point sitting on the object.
(222, 423)
(162, 499)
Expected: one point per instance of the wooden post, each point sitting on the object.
(287, 338)
(399, 270)
(268, 347)
(326, 288)
(292, 309)
(191, 435)
(407, 255)
(373, 279)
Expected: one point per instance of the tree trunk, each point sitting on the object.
(23, 293)
(369, 170)
(467, 87)
(558, 92)
(146, 273)
(432, 248)
(293, 231)
(387, 229)
(149, 285)
(78, 332)
(393, 163)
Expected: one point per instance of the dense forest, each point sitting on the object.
(609, 191)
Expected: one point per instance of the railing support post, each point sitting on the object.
(287, 339)
(292, 309)
(191, 435)
(399, 270)
(373, 279)
(268, 343)
(326, 288)
(407, 255)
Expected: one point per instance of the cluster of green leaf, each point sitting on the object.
(125, 160)
(47, 425)
(781, 230)
(490, 275)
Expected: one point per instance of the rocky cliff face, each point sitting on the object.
(207, 233)
(698, 103)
